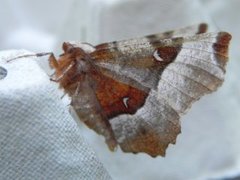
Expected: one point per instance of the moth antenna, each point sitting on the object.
(31, 55)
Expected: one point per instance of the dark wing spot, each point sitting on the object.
(168, 54)
(202, 28)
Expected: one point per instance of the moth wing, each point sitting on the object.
(181, 32)
(86, 107)
(173, 72)
(120, 52)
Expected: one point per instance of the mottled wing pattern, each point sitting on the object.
(168, 75)
(144, 49)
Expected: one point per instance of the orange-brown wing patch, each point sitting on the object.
(117, 98)
(221, 46)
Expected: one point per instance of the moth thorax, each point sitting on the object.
(86, 47)
(83, 65)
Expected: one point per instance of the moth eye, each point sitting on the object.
(156, 55)
(3, 72)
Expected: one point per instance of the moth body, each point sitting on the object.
(133, 92)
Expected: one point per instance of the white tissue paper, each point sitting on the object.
(38, 137)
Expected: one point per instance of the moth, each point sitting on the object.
(133, 92)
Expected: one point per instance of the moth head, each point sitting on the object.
(78, 52)
(72, 65)
(73, 51)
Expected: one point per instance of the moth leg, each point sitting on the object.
(53, 61)
(59, 78)
(64, 95)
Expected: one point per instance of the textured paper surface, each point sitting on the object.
(39, 139)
